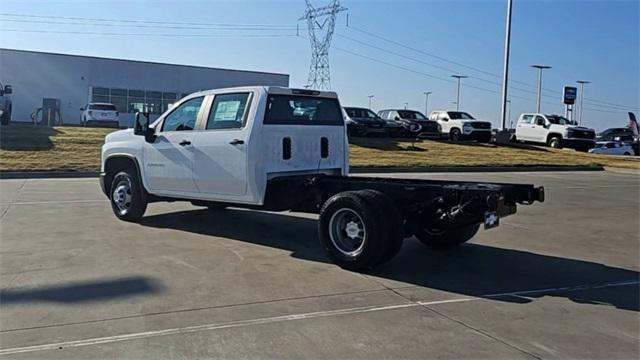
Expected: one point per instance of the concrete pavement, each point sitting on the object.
(557, 280)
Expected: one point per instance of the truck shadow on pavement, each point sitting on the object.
(77, 292)
(471, 269)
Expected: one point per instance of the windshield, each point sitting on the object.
(105, 107)
(559, 120)
(456, 115)
(410, 114)
(360, 113)
(302, 110)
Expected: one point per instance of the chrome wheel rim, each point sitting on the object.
(122, 196)
(347, 232)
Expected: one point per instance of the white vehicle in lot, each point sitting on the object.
(100, 114)
(555, 131)
(279, 149)
(612, 148)
(459, 125)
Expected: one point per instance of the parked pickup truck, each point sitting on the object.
(5, 104)
(459, 125)
(278, 149)
(554, 131)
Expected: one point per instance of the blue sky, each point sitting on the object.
(590, 40)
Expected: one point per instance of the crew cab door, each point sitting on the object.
(524, 128)
(538, 132)
(220, 157)
(168, 160)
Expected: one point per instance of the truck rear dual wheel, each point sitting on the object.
(127, 201)
(360, 229)
(444, 239)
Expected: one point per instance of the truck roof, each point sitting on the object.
(271, 90)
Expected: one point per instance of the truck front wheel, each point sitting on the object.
(442, 239)
(555, 142)
(126, 198)
(356, 231)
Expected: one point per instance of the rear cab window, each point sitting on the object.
(228, 111)
(302, 110)
(103, 107)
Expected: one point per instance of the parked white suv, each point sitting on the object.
(459, 125)
(100, 114)
(555, 131)
(279, 149)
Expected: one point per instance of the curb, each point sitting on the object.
(48, 174)
(458, 169)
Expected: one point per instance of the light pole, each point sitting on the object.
(581, 82)
(540, 68)
(370, 97)
(406, 105)
(505, 70)
(426, 102)
(458, 77)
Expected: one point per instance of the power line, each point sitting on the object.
(150, 34)
(138, 21)
(211, 27)
(474, 68)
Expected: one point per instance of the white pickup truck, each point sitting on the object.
(459, 125)
(279, 149)
(555, 131)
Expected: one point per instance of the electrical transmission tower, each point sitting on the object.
(321, 22)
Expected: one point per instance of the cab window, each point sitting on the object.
(228, 111)
(526, 119)
(183, 117)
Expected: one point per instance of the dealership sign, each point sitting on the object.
(569, 94)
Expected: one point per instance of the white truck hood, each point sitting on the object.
(119, 135)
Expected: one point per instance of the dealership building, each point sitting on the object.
(43, 80)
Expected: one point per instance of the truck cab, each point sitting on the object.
(223, 145)
(5, 104)
(554, 131)
(459, 125)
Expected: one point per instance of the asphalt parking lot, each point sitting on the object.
(557, 280)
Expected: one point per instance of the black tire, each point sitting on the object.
(393, 222)
(627, 153)
(555, 142)
(454, 135)
(127, 200)
(437, 239)
(354, 212)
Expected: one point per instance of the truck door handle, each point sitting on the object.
(236, 142)
(184, 143)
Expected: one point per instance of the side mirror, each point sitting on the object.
(82, 109)
(445, 119)
(141, 127)
(397, 118)
(8, 89)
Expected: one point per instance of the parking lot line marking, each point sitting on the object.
(199, 328)
(56, 202)
(291, 317)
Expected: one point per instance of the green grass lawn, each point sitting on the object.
(30, 148)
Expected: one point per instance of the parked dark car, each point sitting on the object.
(409, 119)
(615, 134)
(363, 122)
